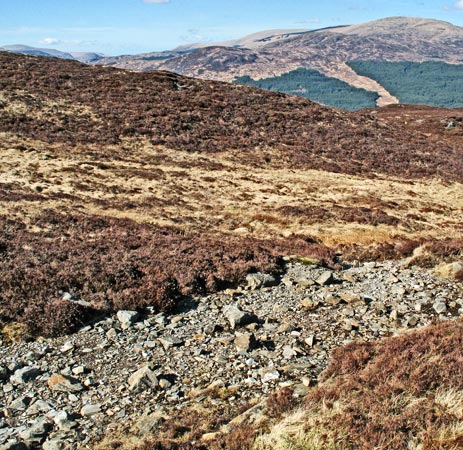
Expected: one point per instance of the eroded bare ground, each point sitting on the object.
(200, 192)
(343, 72)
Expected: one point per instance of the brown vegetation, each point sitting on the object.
(399, 393)
(318, 214)
(132, 189)
(118, 264)
(186, 430)
(431, 251)
(66, 102)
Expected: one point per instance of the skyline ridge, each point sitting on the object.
(129, 27)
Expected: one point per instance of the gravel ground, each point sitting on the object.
(69, 392)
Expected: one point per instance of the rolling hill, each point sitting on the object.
(274, 57)
(189, 201)
(85, 57)
(326, 50)
(80, 143)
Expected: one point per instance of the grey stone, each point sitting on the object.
(245, 342)
(37, 433)
(111, 333)
(289, 352)
(439, 307)
(398, 290)
(67, 347)
(39, 407)
(62, 383)
(259, 280)
(164, 384)
(142, 379)
(325, 278)
(148, 425)
(412, 321)
(54, 444)
(270, 375)
(237, 317)
(90, 410)
(127, 317)
(310, 341)
(304, 281)
(68, 297)
(79, 370)
(60, 417)
(170, 341)
(25, 374)
(20, 404)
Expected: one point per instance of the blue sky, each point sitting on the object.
(134, 26)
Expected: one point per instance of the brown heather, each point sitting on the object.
(434, 251)
(71, 103)
(119, 264)
(394, 393)
(134, 189)
(130, 190)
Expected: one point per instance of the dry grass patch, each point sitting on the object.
(143, 183)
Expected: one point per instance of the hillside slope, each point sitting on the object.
(167, 196)
(64, 101)
(325, 50)
(208, 168)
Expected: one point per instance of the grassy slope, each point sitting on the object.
(66, 102)
(400, 393)
(427, 83)
(317, 87)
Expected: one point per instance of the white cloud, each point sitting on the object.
(68, 42)
(50, 41)
(459, 4)
(156, 1)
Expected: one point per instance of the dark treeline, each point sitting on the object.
(317, 87)
(427, 83)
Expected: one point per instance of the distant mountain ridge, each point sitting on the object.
(27, 50)
(326, 50)
(254, 40)
(273, 53)
(85, 57)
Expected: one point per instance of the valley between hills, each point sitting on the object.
(388, 61)
(192, 264)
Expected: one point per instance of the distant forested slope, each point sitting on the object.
(316, 86)
(429, 83)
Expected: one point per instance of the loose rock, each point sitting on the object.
(245, 342)
(238, 317)
(143, 378)
(325, 278)
(24, 375)
(62, 383)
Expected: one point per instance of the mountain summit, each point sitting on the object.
(328, 51)
(325, 57)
